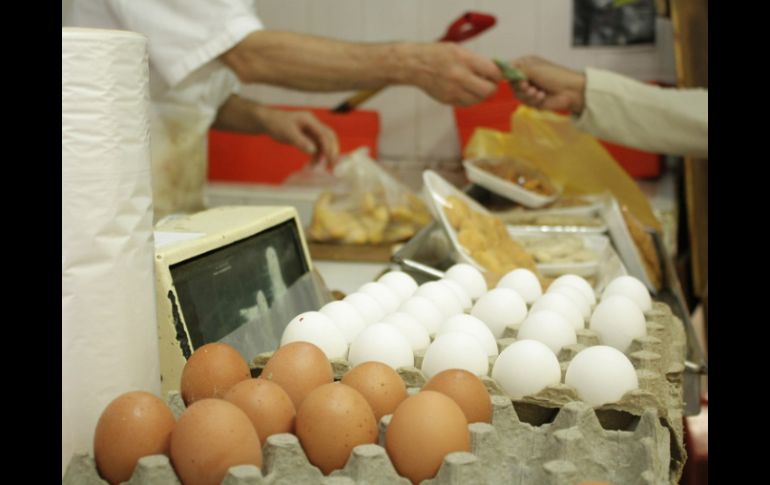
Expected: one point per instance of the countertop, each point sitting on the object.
(348, 276)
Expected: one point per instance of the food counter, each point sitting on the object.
(554, 435)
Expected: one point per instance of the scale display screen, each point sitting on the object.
(218, 291)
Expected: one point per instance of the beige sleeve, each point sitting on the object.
(628, 112)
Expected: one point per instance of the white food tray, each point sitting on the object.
(506, 188)
(436, 191)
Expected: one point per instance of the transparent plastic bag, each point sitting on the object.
(366, 205)
(312, 175)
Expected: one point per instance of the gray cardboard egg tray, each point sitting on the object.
(549, 438)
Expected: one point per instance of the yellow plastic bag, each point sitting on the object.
(575, 161)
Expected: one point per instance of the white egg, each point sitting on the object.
(455, 350)
(469, 278)
(384, 343)
(618, 321)
(526, 367)
(400, 282)
(472, 326)
(367, 306)
(424, 311)
(548, 327)
(576, 296)
(578, 282)
(345, 317)
(560, 304)
(459, 291)
(525, 283)
(601, 375)
(444, 298)
(632, 288)
(318, 329)
(499, 308)
(386, 297)
(414, 332)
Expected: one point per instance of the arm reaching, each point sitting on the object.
(620, 109)
(550, 86)
(298, 128)
(446, 71)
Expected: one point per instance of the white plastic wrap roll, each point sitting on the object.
(109, 334)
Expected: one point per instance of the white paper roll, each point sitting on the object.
(109, 333)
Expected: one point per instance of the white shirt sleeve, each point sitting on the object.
(187, 34)
(661, 120)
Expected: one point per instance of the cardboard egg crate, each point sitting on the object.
(573, 447)
(614, 453)
(549, 438)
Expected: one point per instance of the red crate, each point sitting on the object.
(495, 112)
(237, 157)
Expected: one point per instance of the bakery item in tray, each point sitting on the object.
(518, 172)
(558, 248)
(486, 239)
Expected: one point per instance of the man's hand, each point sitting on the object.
(302, 130)
(550, 86)
(450, 73)
(298, 128)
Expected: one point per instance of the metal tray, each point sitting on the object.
(500, 207)
(430, 252)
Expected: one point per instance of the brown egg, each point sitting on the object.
(298, 367)
(211, 371)
(266, 404)
(332, 420)
(423, 430)
(382, 387)
(211, 436)
(133, 425)
(467, 390)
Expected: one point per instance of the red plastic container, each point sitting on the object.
(495, 112)
(236, 157)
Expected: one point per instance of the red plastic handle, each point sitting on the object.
(469, 25)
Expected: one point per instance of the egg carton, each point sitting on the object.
(657, 357)
(574, 446)
(508, 451)
(551, 437)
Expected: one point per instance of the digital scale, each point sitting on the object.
(236, 275)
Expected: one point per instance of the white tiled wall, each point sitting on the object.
(414, 128)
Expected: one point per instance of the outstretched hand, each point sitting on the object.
(451, 73)
(550, 86)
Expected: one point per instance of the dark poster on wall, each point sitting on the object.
(613, 22)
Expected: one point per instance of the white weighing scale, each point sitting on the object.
(236, 275)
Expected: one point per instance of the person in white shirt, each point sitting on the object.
(619, 109)
(200, 53)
